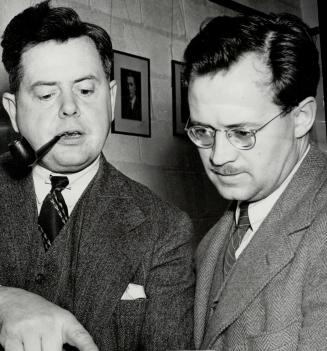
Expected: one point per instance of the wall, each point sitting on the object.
(310, 16)
(309, 11)
(158, 30)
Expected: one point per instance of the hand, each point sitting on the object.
(31, 323)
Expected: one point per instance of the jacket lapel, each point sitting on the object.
(110, 237)
(264, 257)
(271, 248)
(209, 251)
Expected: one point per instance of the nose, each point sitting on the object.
(69, 107)
(222, 150)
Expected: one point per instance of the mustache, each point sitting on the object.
(225, 170)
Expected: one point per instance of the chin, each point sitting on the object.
(233, 193)
(66, 164)
(63, 168)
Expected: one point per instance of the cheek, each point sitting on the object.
(98, 128)
(98, 110)
(264, 165)
(27, 122)
(205, 156)
(31, 114)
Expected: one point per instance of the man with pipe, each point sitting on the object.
(112, 269)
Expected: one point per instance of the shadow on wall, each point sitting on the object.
(195, 194)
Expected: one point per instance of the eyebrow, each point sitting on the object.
(89, 77)
(231, 126)
(53, 83)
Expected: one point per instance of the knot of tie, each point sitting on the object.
(243, 219)
(58, 183)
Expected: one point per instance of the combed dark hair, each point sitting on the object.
(41, 23)
(282, 40)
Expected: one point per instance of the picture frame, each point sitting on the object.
(239, 8)
(132, 108)
(181, 110)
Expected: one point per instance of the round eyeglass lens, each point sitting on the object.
(201, 136)
(242, 139)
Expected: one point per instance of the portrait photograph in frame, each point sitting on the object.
(132, 109)
(181, 110)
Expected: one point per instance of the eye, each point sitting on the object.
(202, 132)
(86, 92)
(84, 88)
(45, 92)
(45, 97)
(240, 133)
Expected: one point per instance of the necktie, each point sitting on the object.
(54, 212)
(236, 238)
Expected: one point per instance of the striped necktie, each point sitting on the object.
(54, 212)
(236, 238)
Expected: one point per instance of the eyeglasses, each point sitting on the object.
(241, 138)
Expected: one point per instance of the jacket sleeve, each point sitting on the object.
(168, 320)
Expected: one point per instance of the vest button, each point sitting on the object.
(39, 278)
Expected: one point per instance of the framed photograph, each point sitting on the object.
(181, 110)
(132, 110)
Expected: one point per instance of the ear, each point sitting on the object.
(113, 92)
(305, 115)
(9, 103)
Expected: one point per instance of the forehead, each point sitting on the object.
(55, 61)
(242, 90)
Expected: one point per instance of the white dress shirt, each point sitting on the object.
(259, 210)
(77, 183)
(132, 102)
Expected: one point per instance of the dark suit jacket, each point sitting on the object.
(118, 233)
(275, 297)
(134, 113)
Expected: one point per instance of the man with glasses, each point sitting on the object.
(262, 269)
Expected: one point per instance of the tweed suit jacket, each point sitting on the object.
(275, 297)
(118, 233)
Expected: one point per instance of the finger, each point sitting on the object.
(51, 342)
(77, 336)
(13, 345)
(32, 343)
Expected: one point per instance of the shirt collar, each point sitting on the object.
(77, 183)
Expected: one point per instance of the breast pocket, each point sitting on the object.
(130, 315)
(283, 340)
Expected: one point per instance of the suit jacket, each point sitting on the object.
(275, 297)
(134, 113)
(118, 233)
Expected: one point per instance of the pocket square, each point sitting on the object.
(133, 292)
